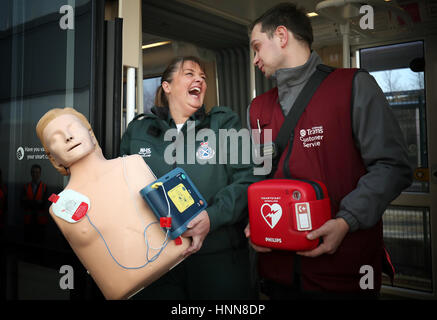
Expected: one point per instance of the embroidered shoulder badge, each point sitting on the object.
(205, 152)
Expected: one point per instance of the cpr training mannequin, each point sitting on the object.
(110, 240)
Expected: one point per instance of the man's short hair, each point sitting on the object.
(289, 15)
(35, 166)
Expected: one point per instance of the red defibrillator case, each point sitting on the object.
(283, 211)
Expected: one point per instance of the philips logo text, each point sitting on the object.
(274, 240)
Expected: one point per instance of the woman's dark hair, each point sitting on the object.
(174, 66)
(289, 15)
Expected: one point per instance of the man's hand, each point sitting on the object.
(332, 232)
(255, 247)
(198, 228)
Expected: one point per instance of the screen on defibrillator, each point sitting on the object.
(183, 199)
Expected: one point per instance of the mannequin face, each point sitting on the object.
(68, 140)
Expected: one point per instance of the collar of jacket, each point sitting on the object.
(163, 113)
(289, 77)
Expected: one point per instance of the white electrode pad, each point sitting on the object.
(70, 205)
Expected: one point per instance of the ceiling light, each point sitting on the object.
(156, 44)
(312, 14)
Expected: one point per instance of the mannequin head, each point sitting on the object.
(67, 137)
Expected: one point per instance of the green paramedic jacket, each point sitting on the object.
(220, 175)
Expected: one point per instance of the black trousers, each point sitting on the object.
(217, 276)
(277, 291)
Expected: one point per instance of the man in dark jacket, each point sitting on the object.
(35, 205)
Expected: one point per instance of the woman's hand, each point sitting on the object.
(198, 228)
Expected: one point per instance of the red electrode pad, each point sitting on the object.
(283, 211)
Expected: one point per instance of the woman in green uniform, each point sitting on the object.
(218, 263)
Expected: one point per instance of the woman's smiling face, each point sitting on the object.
(186, 91)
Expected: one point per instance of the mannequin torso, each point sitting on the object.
(110, 239)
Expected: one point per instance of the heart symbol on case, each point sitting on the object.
(271, 213)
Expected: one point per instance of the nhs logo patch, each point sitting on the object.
(145, 152)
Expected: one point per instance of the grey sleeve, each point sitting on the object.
(379, 138)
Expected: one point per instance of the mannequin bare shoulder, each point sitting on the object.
(101, 213)
(137, 164)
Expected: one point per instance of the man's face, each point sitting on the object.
(35, 173)
(267, 51)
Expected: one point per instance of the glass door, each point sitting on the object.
(409, 223)
(45, 63)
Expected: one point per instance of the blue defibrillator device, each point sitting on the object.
(175, 201)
